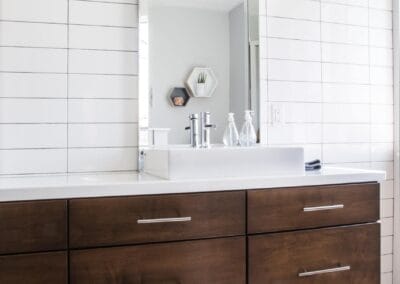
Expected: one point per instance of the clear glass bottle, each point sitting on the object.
(248, 135)
(231, 134)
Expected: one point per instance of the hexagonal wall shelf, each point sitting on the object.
(179, 97)
(202, 82)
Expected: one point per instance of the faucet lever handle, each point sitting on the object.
(214, 126)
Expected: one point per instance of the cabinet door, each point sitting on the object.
(348, 255)
(219, 261)
(33, 226)
(145, 219)
(38, 268)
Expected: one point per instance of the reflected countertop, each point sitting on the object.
(62, 186)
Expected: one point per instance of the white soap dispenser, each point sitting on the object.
(231, 134)
(248, 135)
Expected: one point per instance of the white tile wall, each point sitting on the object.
(102, 111)
(35, 60)
(328, 65)
(71, 102)
(22, 136)
(102, 86)
(35, 85)
(106, 38)
(293, 29)
(47, 11)
(102, 135)
(33, 34)
(102, 14)
(102, 159)
(30, 161)
(68, 86)
(33, 111)
(339, 33)
(299, 9)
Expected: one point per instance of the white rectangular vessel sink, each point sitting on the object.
(184, 162)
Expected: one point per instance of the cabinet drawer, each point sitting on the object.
(330, 256)
(119, 221)
(284, 209)
(33, 226)
(191, 262)
(40, 268)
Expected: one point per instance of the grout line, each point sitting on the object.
(32, 22)
(104, 74)
(329, 102)
(329, 82)
(65, 73)
(68, 89)
(327, 22)
(369, 79)
(66, 24)
(357, 6)
(327, 42)
(108, 2)
(67, 148)
(322, 88)
(105, 50)
(64, 123)
(103, 26)
(68, 98)
(268, 116)
(68, 48)
(345, 123)
(329, 62)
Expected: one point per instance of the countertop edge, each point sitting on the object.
(160, 186)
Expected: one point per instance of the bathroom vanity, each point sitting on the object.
(129, 228)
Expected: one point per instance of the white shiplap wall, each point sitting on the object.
(68, 86)
(328, 64)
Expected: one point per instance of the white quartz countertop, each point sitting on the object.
(45, 187)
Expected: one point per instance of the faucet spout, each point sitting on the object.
(205, 129)
(194, 130)
(200, 136)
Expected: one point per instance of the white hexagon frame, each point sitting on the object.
(209, 87)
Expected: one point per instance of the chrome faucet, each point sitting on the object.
(200, 130)
(194, 130)
(205, 127)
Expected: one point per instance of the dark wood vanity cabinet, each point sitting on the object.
(319, 234)
(33, 242)
(349, 254)
(220, 260)
(135, 220)
(37, 268)
(284, 209)
(33, 226)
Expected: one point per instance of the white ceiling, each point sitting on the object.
(218, 5)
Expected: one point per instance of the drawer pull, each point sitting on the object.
(324, 271)
(164, 220)
(323, 208)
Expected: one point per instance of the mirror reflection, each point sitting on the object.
(196, 56)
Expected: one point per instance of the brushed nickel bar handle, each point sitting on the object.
(324, 271)
(164, 220)
(323, 208)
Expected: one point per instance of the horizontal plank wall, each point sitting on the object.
(328, 64)
(68, 86)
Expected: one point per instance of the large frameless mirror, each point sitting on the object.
(196, 56)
